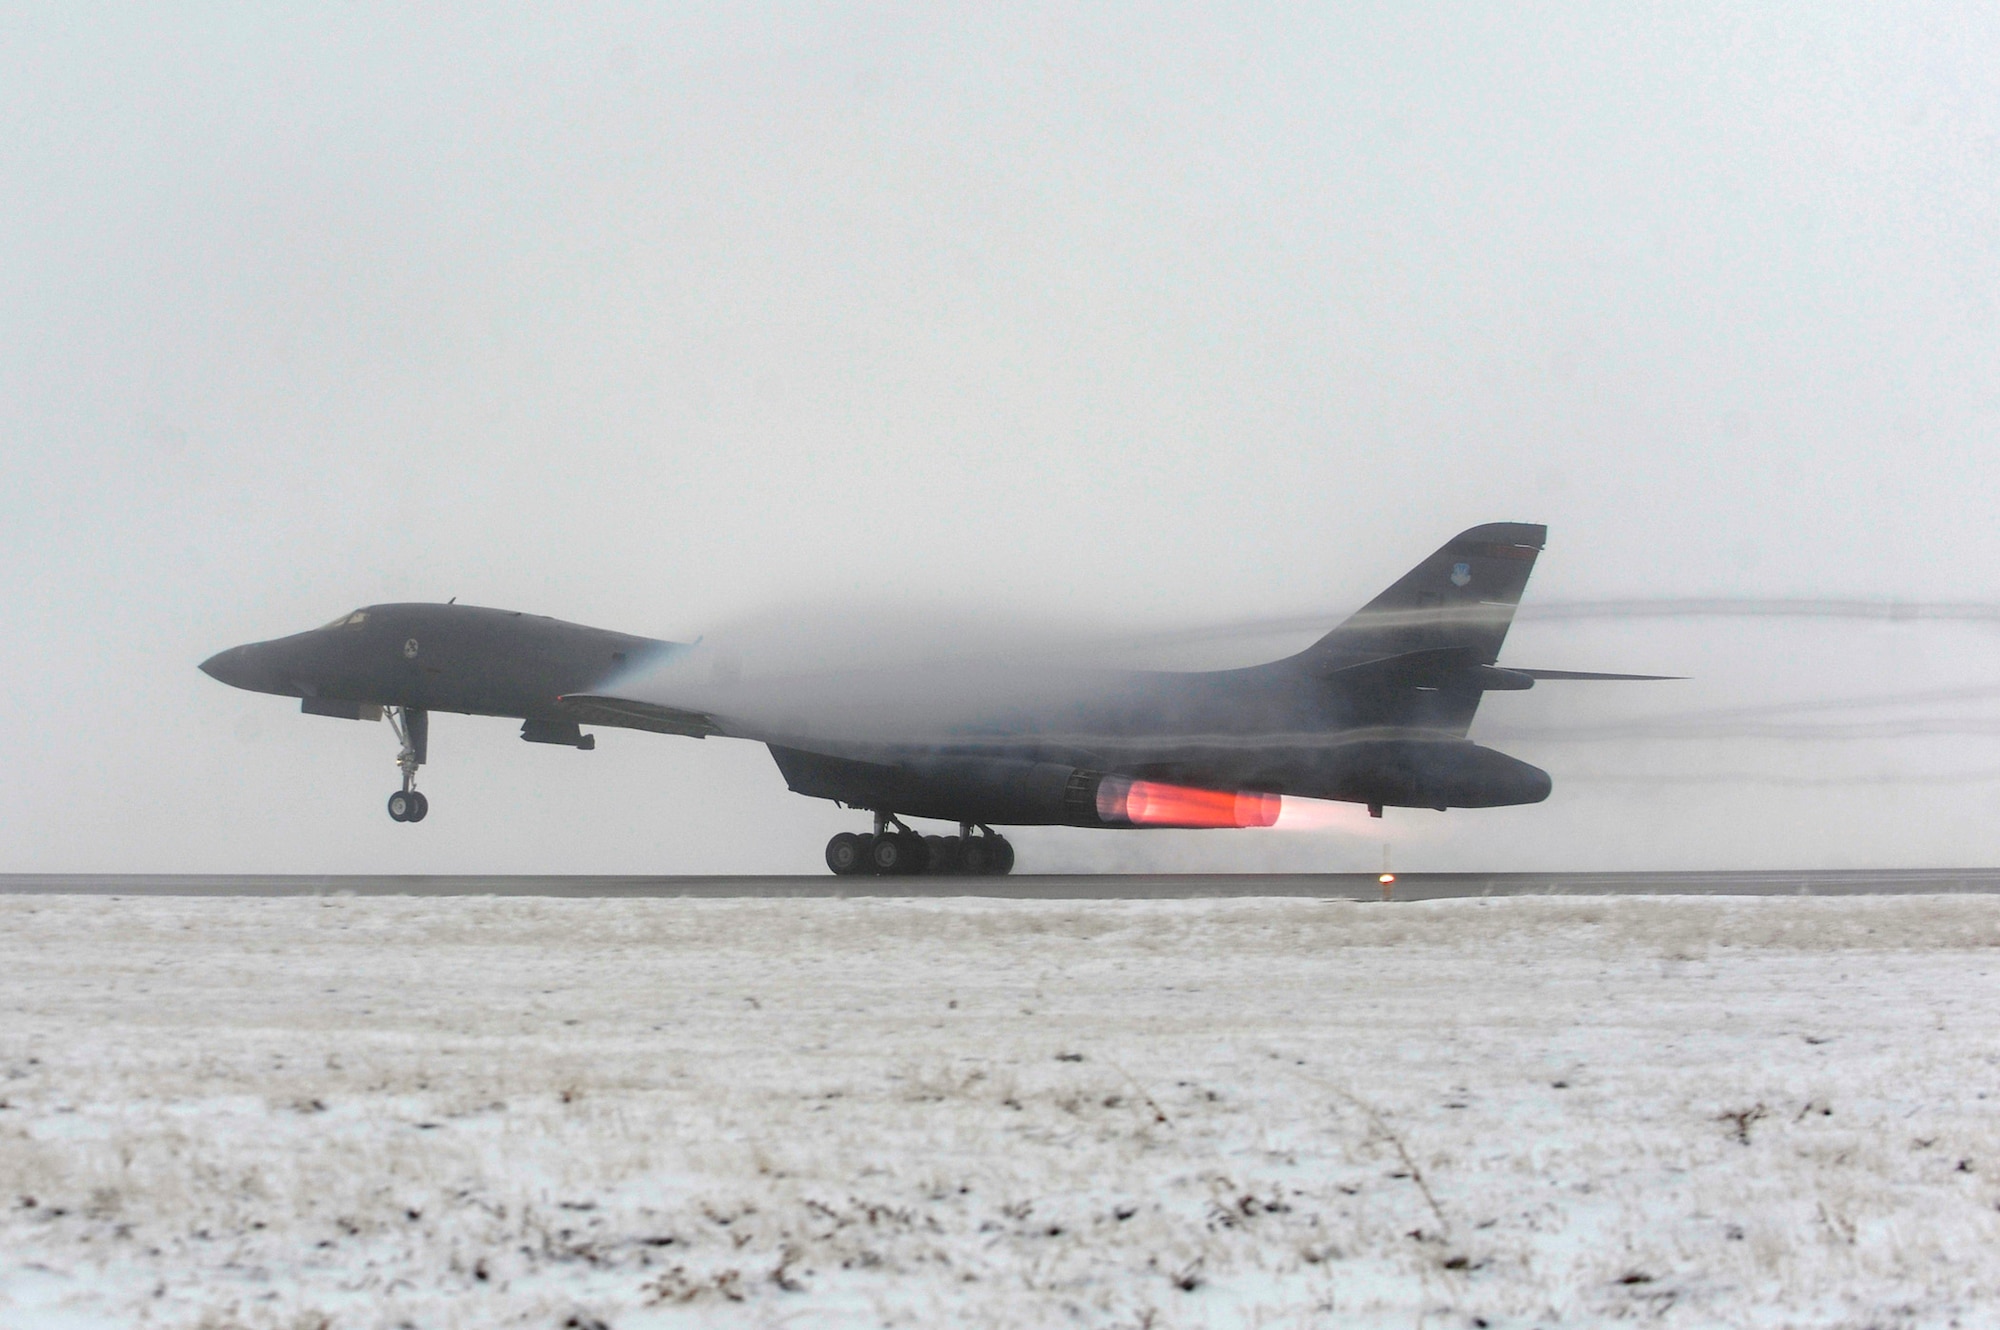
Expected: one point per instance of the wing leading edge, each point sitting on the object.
(596, 709)
(1586, 674)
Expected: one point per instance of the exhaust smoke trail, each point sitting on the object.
(1852, 609)
(1777, 780)
(1722, 607)
(885, 673)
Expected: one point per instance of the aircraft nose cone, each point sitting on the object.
(226, 667)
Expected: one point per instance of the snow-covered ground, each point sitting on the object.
(472, 1112)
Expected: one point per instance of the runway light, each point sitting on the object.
(1148, 803)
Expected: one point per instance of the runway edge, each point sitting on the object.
(1119, 886)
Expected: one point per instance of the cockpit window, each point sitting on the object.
(348, 620)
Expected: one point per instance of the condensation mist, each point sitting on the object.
(872, 337)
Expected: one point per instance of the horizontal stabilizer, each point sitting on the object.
(1586, 674)
(1456, 668)
(1409, 669)
(591, 709)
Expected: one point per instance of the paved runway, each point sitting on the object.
(1135, 886)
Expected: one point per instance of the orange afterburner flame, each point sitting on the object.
(1148, 803)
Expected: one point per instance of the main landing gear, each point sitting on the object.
(892, 849)
(413, 728)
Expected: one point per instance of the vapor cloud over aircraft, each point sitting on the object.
(1376, 713)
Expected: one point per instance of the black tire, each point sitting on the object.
(975, 856)
(419, 806)
(944, 854)
(399, 806)
(889, 855)
(899, 854)
(843, 855)
(1003, 856)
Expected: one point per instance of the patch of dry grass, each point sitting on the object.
(477, 1112)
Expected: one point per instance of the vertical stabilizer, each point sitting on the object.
(1459, 600)
(1464, 595)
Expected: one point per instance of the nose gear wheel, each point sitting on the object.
(412, 729)
(408, 806)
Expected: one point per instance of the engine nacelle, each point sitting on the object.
(1014, 792)
(1404, 773)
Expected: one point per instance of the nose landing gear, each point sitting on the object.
(892, 849)
(408, 806)
(412, 727)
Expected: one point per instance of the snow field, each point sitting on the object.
(297, 1113)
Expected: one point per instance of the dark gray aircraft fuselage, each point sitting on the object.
(459, 658)
(1374, 713)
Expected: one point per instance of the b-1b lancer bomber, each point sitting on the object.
(1374, 713)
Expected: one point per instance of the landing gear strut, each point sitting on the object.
(892, 849)
(413, 728)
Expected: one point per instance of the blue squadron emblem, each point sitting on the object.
(1461, 573)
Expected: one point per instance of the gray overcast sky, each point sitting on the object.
(657, 318)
